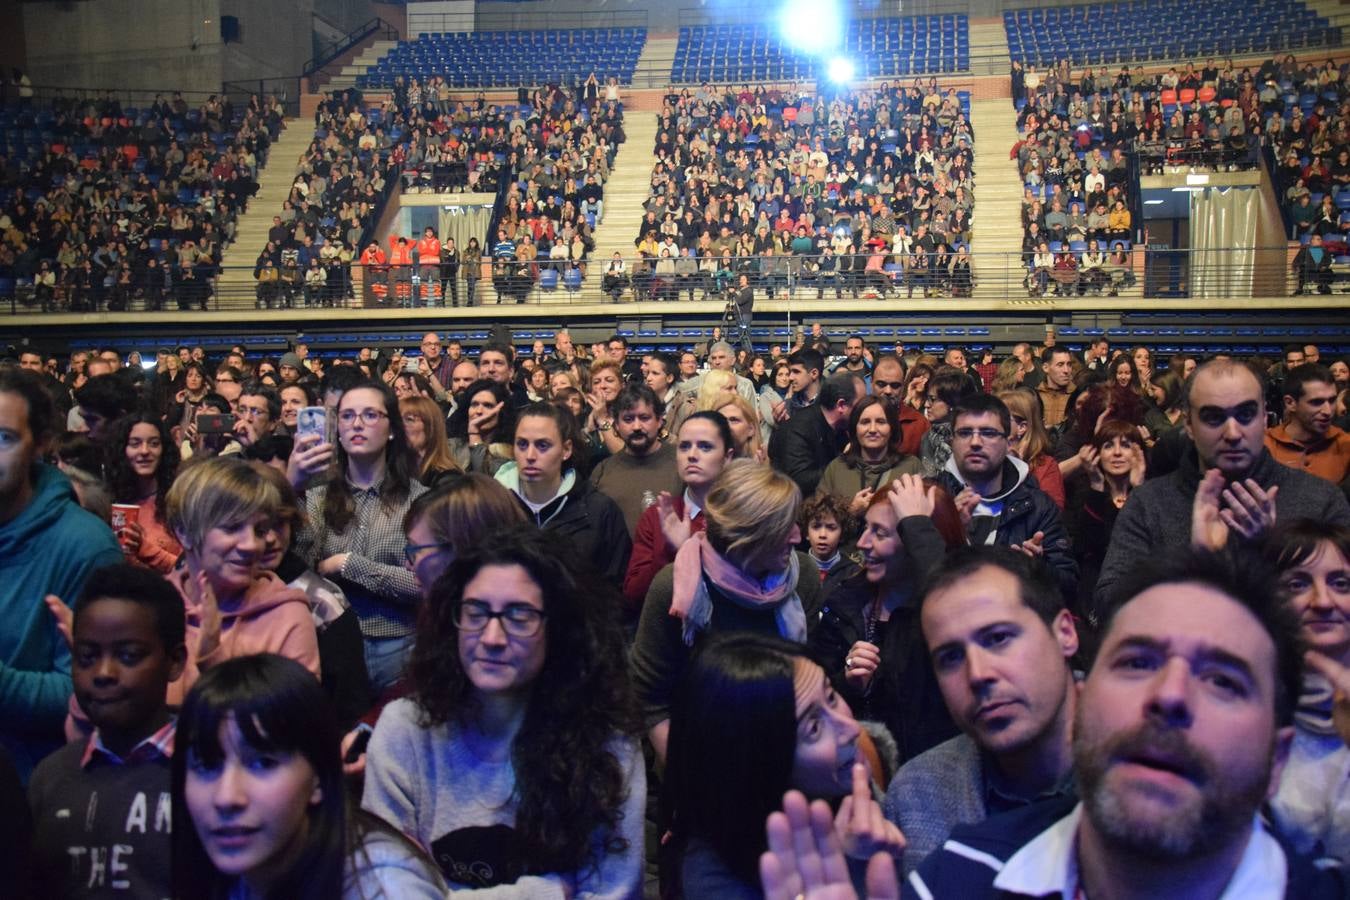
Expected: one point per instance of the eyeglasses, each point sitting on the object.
(410, 551)
(367, 416)
(892, 385)
(251, 412)
(518, 619)
(930, 401)
(986, 434)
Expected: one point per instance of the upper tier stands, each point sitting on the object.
(511, 58)
(1163, 29)
(879, 48)
(102, 205)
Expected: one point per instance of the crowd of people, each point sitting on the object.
(870, 190)
(575, 621)
(129, 208)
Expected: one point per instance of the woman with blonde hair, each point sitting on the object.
(741, 574)
(606, 382)
(746, 429)
(430, 448)
(1030, 442)
(1008, 377)
(222, 513)
(717, 386)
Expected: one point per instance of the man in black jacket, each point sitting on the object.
(803, 446)
(1007, 507)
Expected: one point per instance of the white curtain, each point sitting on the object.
(464, 222)
(1223, 241)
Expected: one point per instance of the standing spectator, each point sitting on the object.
(141, 470)
(645, 467)
(48, 547)
(813, 436)
(1307, 440)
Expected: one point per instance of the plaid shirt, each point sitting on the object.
(159, 744)
(381, 589)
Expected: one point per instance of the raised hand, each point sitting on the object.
(1248, 508)
(805, 861)
(861, 827)
(1209, 530)
(861, 500)
(208, 617)
(675, 528)
(861, 664)
(64, 616)
(1138, 466)
(309, 459)
(966, 501)
(1091, 460)
(1033, 546)
(132, 536)
(909, 497)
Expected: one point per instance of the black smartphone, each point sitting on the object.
(215, 423)
(358, 746)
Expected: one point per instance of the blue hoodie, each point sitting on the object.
(49, 548)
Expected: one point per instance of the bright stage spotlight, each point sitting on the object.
(840, 70)
(812, 26)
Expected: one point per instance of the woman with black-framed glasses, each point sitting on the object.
(355, 532)
(515, 758)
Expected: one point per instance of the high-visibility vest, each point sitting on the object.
(429, 252)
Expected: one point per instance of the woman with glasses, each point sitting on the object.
(354, 533)
(515, 759)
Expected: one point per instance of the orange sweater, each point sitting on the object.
(1328, 458)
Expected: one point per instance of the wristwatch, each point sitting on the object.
(606, 425)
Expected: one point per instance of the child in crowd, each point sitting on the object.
(827, 524)
(101, 806)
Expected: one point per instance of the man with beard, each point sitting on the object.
(635, 476)
(888, 380)
(1000, 640)
(1306, 440)
(855, 362)
(1181, 733)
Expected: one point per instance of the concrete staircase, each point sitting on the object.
(274, 186)
(653, 66)
(346, 76)
(996, 238)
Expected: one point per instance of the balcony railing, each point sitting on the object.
(1144, 272)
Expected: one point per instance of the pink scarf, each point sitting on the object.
(690, 602)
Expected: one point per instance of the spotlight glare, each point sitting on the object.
(812, 26)
(840, 70)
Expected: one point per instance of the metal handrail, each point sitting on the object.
(1152, 271)
(337, 48)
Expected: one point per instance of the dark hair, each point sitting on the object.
(256, 388)
(107, 395)
(310, 397)
(634, 394)
(837, 388)
(669, 364)
(975, 404)
(75, 449)
(853, 456)
(827, 504)
(278, 706)
(458, 426)
(122, 480)
(569, 783)
(718, 420)
(144, 587)
(568, 430)
(733, 737)
(1247, 579)
(950, 384)
(808, 358)
(341, 379)
(1037, 585)
(339, 509)
(1048, 354)
(497, 347)
(1297, 378)
(1126, 405)
(270, 447)
(1294, 543)
(619, 339)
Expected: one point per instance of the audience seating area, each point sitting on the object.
(124, 208)
(879, 48)
(1140, 30)
(510, 58)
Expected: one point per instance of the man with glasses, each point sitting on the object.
(888, 380)
(258, 411)
(997, 491)
(433, 365)
(228, 383)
